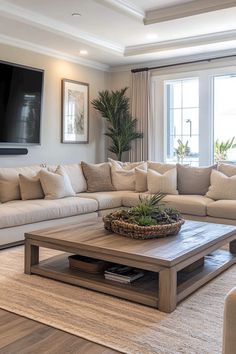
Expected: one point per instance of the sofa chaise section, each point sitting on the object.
(15, 216)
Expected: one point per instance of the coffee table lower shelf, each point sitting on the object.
(144, 290)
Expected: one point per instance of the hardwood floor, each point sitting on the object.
(19, 335)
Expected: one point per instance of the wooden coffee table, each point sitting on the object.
(175, 266)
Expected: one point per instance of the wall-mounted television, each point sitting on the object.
(20, 104)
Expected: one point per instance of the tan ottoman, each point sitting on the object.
(229, 335)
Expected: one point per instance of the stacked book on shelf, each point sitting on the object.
(123, 274)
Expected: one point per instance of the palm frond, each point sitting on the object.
(122, 128)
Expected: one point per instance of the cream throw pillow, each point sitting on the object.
(162, 183)
(222, 186)
(30, 187)
(75, 174)
(56, 185)
(124, 179)
(140, 180)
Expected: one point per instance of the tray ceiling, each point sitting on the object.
(118, 32)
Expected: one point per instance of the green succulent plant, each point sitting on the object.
(149, 211)
(145, 221)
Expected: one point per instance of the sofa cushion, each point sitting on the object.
(131, 199)
(17, 213)
(30, 187)
(222, 186)
(76, 176)
(186, 204)
(189, 204)
(56, 185)
(228, 169)
(222, 209)
(98, 176)
(162, 183)
(9, 181)
(193, 180)
(106, 200)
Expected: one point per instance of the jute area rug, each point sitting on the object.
(195, 327)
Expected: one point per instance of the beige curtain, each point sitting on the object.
(140, 97)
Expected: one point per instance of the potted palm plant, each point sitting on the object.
(121, 128)
(222, 149)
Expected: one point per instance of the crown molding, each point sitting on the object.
(180, 59)
(191, 8)
(168, 13)
(205, 39)
(124, 6)
(34, 19)
(52, 53)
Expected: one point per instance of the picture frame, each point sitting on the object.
(75, 112)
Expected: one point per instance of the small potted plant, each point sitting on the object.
(222, 148)
(149, 219)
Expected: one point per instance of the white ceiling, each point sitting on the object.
(113, 31)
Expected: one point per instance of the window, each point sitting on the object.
(192, 114)
(182, 121)
(224, 117)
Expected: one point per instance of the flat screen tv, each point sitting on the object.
(20, 104)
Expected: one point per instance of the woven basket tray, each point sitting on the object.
(142, 232)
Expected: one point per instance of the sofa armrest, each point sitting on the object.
(229, 333)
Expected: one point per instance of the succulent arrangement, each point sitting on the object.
(149, 212)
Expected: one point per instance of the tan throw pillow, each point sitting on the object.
(125, 165)
(228, 169)
(222, 186)
(160, 167)
(30, 187)
(162, 183)
(98, 176)
(193, 180)
(124, 179)
(56, 185)
(140, 180)
(9, 181)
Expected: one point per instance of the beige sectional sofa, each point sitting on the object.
(19, 216)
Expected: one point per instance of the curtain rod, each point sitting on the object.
(187, 62)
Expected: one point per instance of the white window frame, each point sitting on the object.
(157, 144)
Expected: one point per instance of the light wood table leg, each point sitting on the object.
(31, 256)
(167, 290)
(232, 247)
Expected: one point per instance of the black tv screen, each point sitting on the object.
(20, 104)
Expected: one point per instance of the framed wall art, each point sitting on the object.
(75, 112)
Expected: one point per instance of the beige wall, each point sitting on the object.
(118, 80)
(51, 150)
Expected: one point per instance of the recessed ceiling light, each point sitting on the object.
(83, 52)
(76, 14)
(152, 36)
